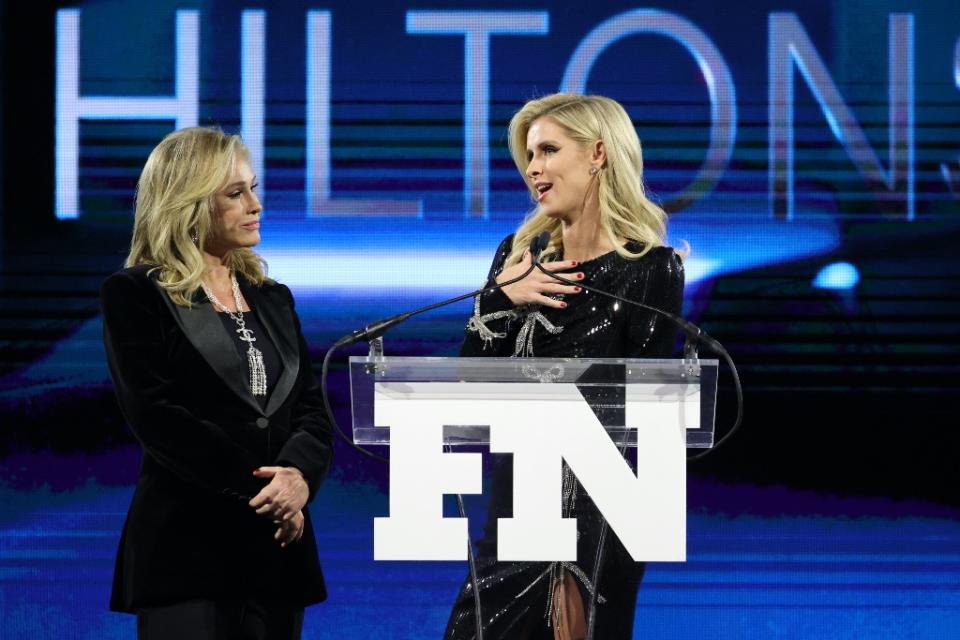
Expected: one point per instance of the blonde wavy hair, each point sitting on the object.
(175, 201)
(625, 210)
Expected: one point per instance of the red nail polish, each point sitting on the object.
(563, 305)
(577, 289)
(579, 276)
(575, 263)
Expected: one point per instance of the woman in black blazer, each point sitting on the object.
(212, 373)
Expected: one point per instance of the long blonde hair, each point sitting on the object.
(175, 203)
(625, 210)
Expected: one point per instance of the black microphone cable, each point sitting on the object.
(376, 330)
(693, 335)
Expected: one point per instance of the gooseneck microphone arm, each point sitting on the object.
(376, 329)
(694, 336)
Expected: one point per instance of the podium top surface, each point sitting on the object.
(466, 395)
(581, 371)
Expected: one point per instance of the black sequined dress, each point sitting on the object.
(515, 597)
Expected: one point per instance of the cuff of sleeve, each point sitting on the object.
(493, 301)
(307, 463)
(244, 491)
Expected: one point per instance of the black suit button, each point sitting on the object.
(262, 423)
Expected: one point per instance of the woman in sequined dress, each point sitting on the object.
(581, 160)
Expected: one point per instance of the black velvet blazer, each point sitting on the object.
(182, 387)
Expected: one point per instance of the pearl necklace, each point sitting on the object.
(258, 373)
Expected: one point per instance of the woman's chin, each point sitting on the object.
(554, 214)
(239, 243)
(250, 239)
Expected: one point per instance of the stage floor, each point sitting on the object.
(834, 568)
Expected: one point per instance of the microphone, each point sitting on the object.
(376, 329)
(537, 246)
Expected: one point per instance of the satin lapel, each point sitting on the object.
(205, 332)
(276, 316)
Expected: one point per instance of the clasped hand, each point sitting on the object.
(282, 500)
(537, 287)
(290, 530)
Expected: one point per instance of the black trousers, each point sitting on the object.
(251, 619)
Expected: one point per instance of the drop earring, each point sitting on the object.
(195, 236)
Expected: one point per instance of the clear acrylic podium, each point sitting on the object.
(678, 392)
(543, 411)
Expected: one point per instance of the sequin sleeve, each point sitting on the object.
(492, 310)
(658, 283)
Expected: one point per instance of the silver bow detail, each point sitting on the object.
(524, 346)
(478, 323)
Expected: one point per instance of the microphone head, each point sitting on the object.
(538, 244)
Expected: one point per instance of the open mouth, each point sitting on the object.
(542, 189)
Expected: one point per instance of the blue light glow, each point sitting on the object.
(409, 256)
(347, 272)
(956, 64)
(837, 276)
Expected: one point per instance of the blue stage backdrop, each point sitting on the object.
(808, 152)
